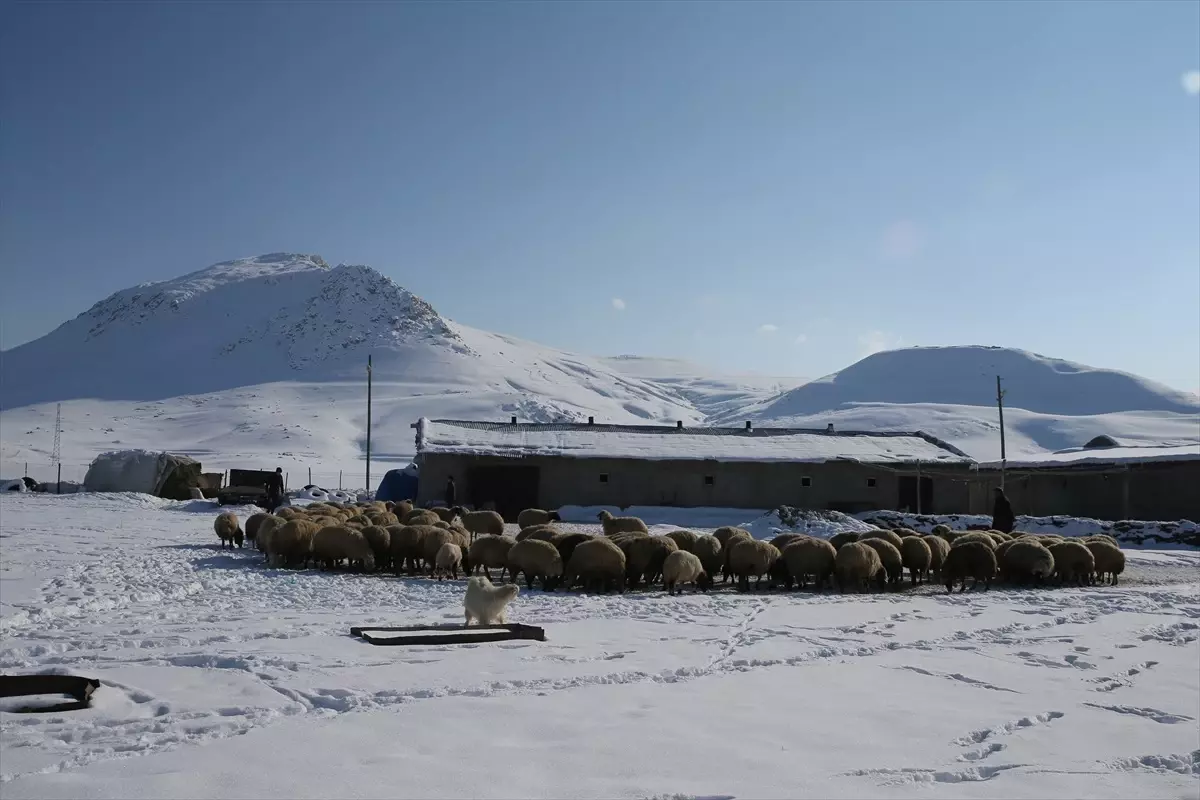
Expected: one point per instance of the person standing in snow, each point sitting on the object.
(1003, 519)
(451, 492)
(275, 490)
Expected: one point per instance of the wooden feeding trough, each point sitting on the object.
(450, 634)
(81, 689)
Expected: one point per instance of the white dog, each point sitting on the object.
(485, 602)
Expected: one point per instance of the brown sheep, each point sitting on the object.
(974, 536)
(542, 531)
(723, 535)
(407, 543)
(381, 544)
(645, 558)
(905, 533)
(809, 556)
(857, 566)
(252, 526)
(845, 537)
(491, 552)
(917, 558)
(445, 514)
(1109, 560)
(265, 529)
(939, 530)
(598, 563)
(1025, 561)
(536, 516)
(537, 559)
(749, 558)
(612, 524)
(784, 539)
(431, 542)
(481, 522)
(330, 545)
(734, 535)
(567, 543)
(1095, 537)
(938, 548)
(879, 533)
(402, 509)
(291, 543)
(684, 540)
(892, 560)
(975, 560)
(1073, 562)
(420, 516)
(228, 529)
(708, 550)
(682, 567)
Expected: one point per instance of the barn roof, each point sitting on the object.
(1098, 456)
(657, 442)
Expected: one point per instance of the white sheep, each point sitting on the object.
(683, 567)
(448, 559)
(613, 524)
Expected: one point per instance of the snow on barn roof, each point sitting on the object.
(657, 442)
(1096, 456)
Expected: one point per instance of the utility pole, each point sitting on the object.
(1003, 454)
(58, 445)
(368, 423)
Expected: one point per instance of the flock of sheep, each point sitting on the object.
(398, 537)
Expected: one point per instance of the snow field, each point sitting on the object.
(222, 678)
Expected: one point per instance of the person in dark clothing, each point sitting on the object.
(1003, 519)
(451, 492)
(275, 490)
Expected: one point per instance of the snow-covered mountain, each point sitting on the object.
(262, 361)
(1050, 404)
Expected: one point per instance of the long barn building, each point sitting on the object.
(529, 465)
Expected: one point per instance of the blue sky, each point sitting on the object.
(779, 187)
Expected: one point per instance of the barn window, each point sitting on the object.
(708, 480)
(870, 483)
(604, 477)
(806, 481)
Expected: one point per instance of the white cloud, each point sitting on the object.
(1191, 81)
(901, 240)
(801, 339)
(767, 328)
(877, 341)
(618, 304)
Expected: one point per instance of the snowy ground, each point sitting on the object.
(225, 679)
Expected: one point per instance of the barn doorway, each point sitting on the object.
(511, 489)
(908, 494)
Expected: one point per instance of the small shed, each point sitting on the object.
(533, 465)
(161, 474)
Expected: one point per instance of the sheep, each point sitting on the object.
(612, 524)
(1095, 537)
(536, 516)
(598, 562)
(809, 556)
(890, 557)
(381, 544)
(708, 550)
(265, 529)
(420, 516)
(1024, 561)
(887, 536)
(784, 539)
(723, 535)
(477, 522)
(940, 529)
(735, 535)
(645, 557)
(491, 552)
(973, 536)
(938, 548)
(905, 533)
(431, 542)
(402, 509)
(448, 559)
(407, 543)
(228, 529)
(445, 514)
(1073, 562)
(567, 543)
(856, 566)
(623, 540)
(845, 537)
(332, 544)
(684, 540)
(750, 558)
(973, 559)
(1109, 560)
(541, 531)
(252, 526)
(537, 559)
(681, 567)
(291, 543)
(486, 603)
(917, 557)
(287, 512)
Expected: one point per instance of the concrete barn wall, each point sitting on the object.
(570, 481)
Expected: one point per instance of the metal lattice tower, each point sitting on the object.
(57, 456)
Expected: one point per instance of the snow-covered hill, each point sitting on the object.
(262, 361)
(1050, 404)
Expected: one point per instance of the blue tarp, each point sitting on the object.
(398, 484)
